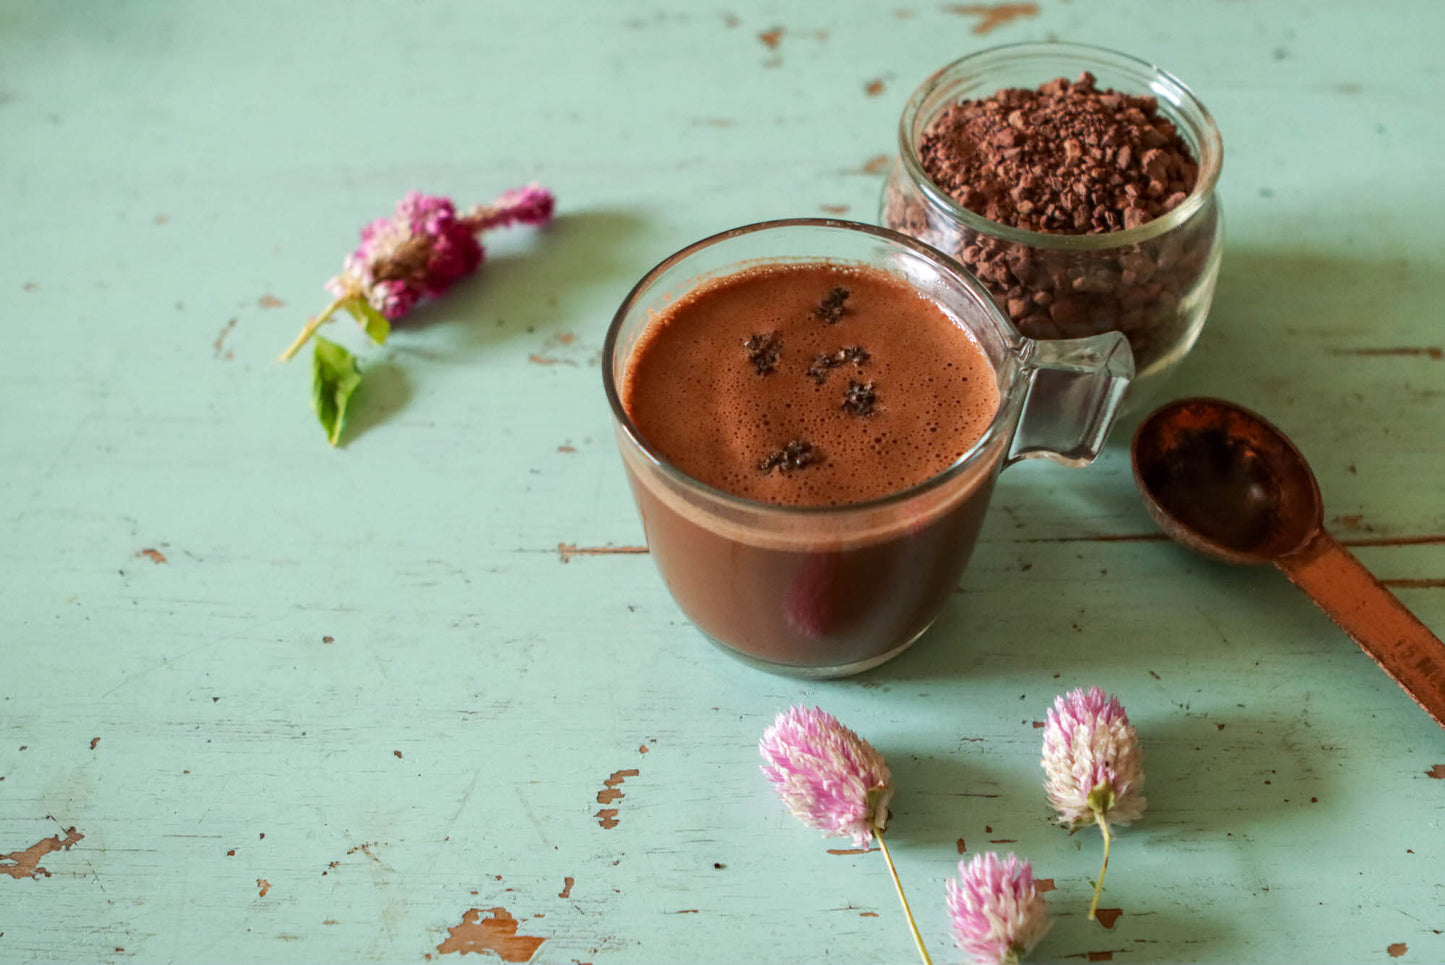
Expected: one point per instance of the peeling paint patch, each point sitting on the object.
(962, 848)
(1409, 584)
(545, 356)
(365, 848)
(1397, 949)
(877, 164)
(834, 208)
(567, 884)
(496, 933)
(1044, 885)
(1108, 916)
(568, 550)
(771, 38)
(152, 554)
(218, 347)
(270, 301)
(874, 87)
(1437, 772)
(264, 886)
(26, 864)
(607, 817)
(992, 16)
(94, 741)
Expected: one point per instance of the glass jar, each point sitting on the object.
(1152, 282)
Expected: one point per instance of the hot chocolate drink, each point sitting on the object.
(824, 390)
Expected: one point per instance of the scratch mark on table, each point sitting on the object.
(1108, 916)
(834, 208)
(496, 933)
(26, 864)
(992, 16)
(851, 850)
(152, 554)
(686, 911)
(93, 742)
(565, 551)
(1413, 584)
(1097, 538)
(1410, 351)
(1425, 539)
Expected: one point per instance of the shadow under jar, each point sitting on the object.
(1152, 282)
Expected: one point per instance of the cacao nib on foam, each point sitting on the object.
(694, 391)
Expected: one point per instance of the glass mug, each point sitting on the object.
(831, 591)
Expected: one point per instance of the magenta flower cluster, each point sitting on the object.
(425, 247)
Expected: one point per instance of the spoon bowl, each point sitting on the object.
(1222, 481)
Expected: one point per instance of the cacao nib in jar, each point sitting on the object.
(1085, 202)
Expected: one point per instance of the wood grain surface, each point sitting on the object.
(425, 696)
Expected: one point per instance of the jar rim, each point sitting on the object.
(1189, 111)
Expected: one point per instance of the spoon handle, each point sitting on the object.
(1382, 626)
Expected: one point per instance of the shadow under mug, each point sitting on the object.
(832, 591)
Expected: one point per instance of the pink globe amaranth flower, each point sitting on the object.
(996, 910)
(425, 247)
(531, 205)
(1091, 760)
(420, 251)
(828, 776)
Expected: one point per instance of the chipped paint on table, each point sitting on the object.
(425, 698)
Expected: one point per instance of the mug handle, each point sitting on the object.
(1075, 387)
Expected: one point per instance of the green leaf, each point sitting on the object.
(334, 377)
(375, 324)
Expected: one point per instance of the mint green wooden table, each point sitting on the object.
(265, 701)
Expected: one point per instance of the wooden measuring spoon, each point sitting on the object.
(1224, 482)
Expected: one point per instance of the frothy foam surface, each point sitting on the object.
(696, 396)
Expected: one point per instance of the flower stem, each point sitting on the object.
(312, 324)
(907, 912)
(1099, 885)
